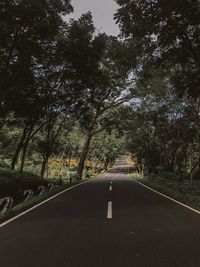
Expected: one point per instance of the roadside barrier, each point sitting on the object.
(7, 203)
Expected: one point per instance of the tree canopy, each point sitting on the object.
(69, 91)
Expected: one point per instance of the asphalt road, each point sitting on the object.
(108, 222)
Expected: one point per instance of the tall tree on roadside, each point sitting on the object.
(27, 27)
(101, 77)
(168, 33)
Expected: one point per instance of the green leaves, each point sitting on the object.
(168, 33)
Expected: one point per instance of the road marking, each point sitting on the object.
(48, 199)
(43, 202)
(110, 188)
(165, 196)
(109, 212)
(111, 182)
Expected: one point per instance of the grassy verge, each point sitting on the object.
(34, 201)
(185, 192)
(13, 184)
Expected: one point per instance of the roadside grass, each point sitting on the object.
(186, 191)
(13, 184)
(58, 169)
(35, 200)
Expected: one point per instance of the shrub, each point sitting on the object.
(13, 184)
(169, 175)
(3, 164)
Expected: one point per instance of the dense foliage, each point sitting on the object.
(59, 82)
(164, 125)
(71, 94)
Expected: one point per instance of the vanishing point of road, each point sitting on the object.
(108, 222)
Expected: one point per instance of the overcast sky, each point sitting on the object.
(102, 11)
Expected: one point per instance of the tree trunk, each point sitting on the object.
(106, 162)
(69, 157)
(47, 152)
(84, 155)
(86, 147)
(18, 149)
(62, 160)
(25, 146)
(97, 162)
(44, 164)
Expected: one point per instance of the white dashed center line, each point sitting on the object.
(110, 188)
(109, 212)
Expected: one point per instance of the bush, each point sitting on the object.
(13, 184)
(3, 164)
(169, 175)
(133, 169)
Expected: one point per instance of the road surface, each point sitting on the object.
(108, 222)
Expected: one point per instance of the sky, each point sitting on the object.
(102, 11)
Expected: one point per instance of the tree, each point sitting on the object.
(105, 88)
(106, 146)
(168, 33)
(48, 145)
(28, 32)
(26, 28)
